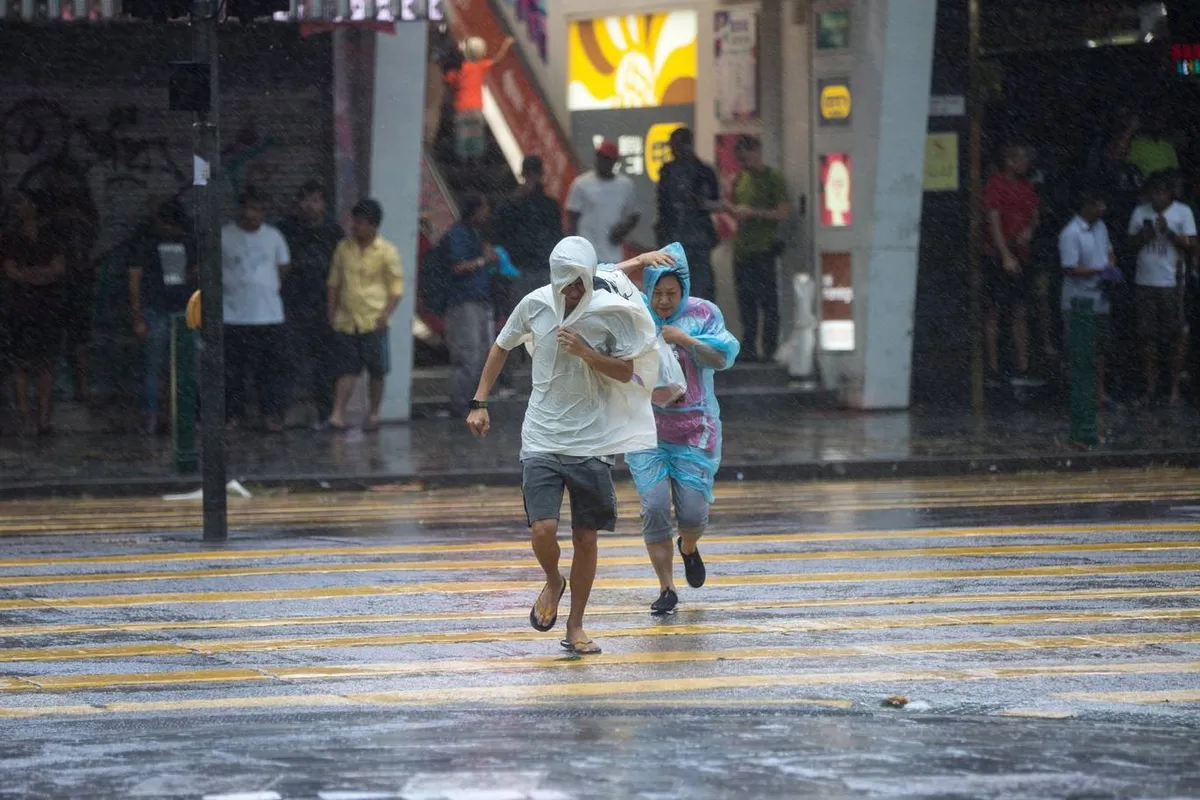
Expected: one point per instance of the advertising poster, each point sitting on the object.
(941, 162)
(837, 302)
(837, 190)
(632, 80)
(636, 61)
(736, 63)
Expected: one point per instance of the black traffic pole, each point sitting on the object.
(208, 250)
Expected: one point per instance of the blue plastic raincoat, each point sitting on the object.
(689, 430)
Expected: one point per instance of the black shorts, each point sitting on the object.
(79, 300)
(358, 351)
(1160, 314)
(1001, 289)
(588, 484)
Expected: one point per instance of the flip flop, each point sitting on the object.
(581, 648)
(533, 615)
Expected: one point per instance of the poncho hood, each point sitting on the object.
(652, 275)
(572, 259)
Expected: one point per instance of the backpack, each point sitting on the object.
(433, 277)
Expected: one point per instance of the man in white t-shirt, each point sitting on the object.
(1163, 230)
(254, 257)
(602, 206)
(589, 404)
(1086, 255)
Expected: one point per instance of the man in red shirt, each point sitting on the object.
(1012, 209)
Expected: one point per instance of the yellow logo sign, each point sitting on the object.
(657, 150)
(835, 102)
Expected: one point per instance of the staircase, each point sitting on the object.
(745, 389)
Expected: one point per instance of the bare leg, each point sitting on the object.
(21, 389)
(1020, 332)
(1043, 314)
(583, 574)
(345, 388)
(376, 400)
(991, 338)
(662, 557)
(545, 547)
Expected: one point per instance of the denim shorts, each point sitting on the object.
(587, 482)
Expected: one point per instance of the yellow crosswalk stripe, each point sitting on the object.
(477, 587)
(65, 517)
(610, 561)
(606, 543)
(1139, 698)
(216, 646)
(102, 681)
(558, 692)
(834, 624)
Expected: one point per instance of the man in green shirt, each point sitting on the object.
(760, 204)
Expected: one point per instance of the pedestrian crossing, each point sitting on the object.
(1053, 619)
(455, 508)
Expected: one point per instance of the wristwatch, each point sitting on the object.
(478, 404)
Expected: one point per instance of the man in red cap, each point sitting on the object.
(602, 206)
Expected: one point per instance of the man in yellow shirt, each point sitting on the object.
(366, 282)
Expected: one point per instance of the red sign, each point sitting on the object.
(518, 98)
(837, 190)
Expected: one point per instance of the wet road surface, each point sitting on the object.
(1044, 630)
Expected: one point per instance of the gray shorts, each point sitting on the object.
(691, 510)
(588, 483)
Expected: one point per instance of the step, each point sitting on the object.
(431, 382)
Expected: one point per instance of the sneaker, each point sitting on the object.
(665, 603)
(693, 566)
(993, 381)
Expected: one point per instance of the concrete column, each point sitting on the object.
(888, 63)
(395, 175)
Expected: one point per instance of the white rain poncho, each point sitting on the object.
(573, 409)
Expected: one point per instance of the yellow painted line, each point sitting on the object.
(1036, 713)
(605, 542)
(267, 645)
(1139, 698)
(835, 624)
(153, 515)
(540, 693)
(621, 561)
(100, 682)
(476, 587)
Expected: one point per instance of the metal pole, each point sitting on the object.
(208, 241)
(975, 108)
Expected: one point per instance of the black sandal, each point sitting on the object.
(533, 615)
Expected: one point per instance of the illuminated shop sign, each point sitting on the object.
(837, 191)
(834, 101)
(837, 302)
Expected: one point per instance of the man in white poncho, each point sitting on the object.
(594, 366)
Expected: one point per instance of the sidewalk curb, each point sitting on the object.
(853, 469)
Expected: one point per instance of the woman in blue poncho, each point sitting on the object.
(682, 467)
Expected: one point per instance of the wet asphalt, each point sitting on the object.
(1037, 636)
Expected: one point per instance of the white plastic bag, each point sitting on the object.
(672, 384)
